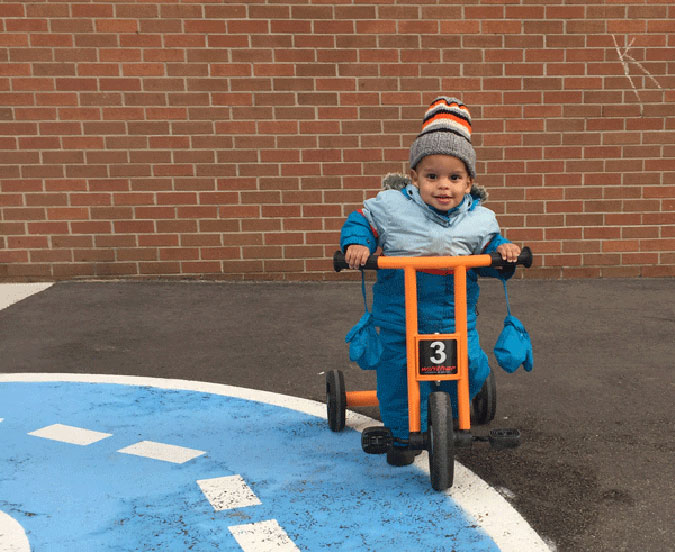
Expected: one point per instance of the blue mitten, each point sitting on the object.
(365, 346)
(513, 346)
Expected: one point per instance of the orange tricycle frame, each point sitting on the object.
(410, 266)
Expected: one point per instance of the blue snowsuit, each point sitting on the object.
(401, 224)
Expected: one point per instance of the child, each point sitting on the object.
(437, 212)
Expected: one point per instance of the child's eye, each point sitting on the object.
(455, 177)
(431, 176)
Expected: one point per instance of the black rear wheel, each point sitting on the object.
(336, 400)
(485, 403)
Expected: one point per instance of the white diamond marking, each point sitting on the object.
(266, 536)
(162, 451)
(70, 434)
(226, 493)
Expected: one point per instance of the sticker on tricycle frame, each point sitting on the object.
(437, 356)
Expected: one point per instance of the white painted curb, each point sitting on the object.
(12, 536)
(13, 293)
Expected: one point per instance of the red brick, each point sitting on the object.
(27, 242)
(375, 27)
(144, 268)
(133, 226)
(67, 213)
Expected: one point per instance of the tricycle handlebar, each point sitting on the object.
(494, 260)
(524, 259)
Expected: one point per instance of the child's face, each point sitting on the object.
(442, 181)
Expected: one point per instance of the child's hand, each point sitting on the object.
(356, 256)
(509, 252)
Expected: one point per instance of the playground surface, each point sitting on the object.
(594, 472)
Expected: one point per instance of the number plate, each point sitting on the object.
(437, 356)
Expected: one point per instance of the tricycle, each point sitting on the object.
(433, 358)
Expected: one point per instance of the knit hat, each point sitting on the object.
(446, 130)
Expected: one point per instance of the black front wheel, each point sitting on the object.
(336, 400)
(440, 441)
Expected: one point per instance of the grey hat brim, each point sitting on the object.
(443, 143)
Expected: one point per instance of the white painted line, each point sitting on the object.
(13, 293)
(502, 523)
(12, 536)
(70, 434)
(162, 451)
(265, 536)
(507, 528)
(226, 493)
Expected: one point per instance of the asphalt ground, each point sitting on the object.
(595, 470)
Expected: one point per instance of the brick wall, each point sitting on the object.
(230, 140)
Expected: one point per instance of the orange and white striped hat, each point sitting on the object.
(446, 130)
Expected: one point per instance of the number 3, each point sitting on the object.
(439, 356)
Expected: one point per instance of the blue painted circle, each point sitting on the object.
(323, 491)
